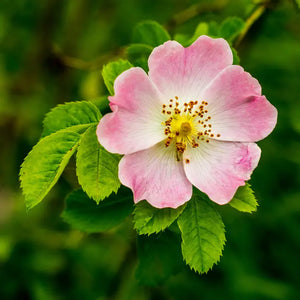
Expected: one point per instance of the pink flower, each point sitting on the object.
(192, 120)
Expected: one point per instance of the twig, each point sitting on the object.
(176, 20)
(194, 11)
(80, 64)
(256, 14)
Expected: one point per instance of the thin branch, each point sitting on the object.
(176, 20)
(256, 14)
(94, 64)
(193, 11)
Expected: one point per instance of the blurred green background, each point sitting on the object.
(51, 52)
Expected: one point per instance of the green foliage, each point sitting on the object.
(228, 30)
(45, 163)
(236, 59)
(102, 103)
(112, 70)
(39, 257)
(97, 169)
(231, 28)
(150, 33)
(74, 116)
(159, 257)
(244, 199)
(203, 234)
(138, 54)
(201, 29)
(84, 214)
(148, 219)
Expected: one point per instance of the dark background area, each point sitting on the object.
(52, 52)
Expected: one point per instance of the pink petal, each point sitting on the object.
(238, 112)
(155, 175)
(136, 121)
(219, 168)
(184, 72)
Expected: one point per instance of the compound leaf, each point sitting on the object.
(75, 116)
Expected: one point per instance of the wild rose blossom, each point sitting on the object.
(192, 120)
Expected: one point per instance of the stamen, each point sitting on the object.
(186, 124)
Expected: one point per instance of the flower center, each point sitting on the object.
(187, 124)
(185, 128)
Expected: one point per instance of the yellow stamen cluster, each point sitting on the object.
(187, 124)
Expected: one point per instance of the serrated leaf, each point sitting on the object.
(231, 28)
(203, 234)
(96, 169)
(138, 55)
(84, 214)
(45, 163)
(112, 70)
(150, 33)
(244, 199)
(75, 116)
(148, 219)
(159, 257)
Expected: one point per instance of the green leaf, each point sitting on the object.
(236, 59)
(159, 257)
(112, 70)
(150, 33)
(45, 163)
(84, 214)
(148, 219)
(182, 38)
(231, 28)
(138, 55)
(201, 29)
(102, 103)
(213, 29)
(244, 199)
(75, 116)
(186, 40)
(202, 232)
(97, 169)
